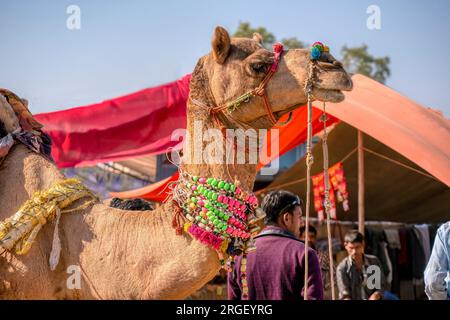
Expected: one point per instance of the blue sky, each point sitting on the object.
(125, 46)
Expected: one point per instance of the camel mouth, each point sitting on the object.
(328, 95)
(333, 92)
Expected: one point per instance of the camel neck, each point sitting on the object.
(208, 152)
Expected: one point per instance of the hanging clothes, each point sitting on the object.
(432, 230)
(395, 283)
(424, 236)
(374, 243)
(384, 247)
(416, 253)
(404, 257)
(393, 238)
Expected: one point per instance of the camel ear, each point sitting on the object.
(258, 38)
(7, 116)
(220, 45)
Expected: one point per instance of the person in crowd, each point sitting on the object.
(437, 272)
(324, 259)
(276, 269)
(359, 275)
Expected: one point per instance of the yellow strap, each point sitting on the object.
(19, 231)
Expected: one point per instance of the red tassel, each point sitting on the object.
(176, 221)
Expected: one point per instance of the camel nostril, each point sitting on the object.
(330, 65)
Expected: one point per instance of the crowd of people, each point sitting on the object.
(276, 269)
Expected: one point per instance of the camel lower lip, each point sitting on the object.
(329, 95)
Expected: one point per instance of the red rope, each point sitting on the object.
(176, 224)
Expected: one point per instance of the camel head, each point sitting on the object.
(238, 65)
(8, 119)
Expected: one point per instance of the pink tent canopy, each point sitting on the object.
(420, 134)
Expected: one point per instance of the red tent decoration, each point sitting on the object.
(337, 184)
(137, 124)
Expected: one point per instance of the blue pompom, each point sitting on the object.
(315, 53)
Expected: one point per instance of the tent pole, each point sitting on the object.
(361, 213)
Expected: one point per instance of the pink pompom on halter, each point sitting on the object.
(278, 50)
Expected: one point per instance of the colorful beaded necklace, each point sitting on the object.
(219, 213)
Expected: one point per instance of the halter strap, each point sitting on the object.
(258, 91)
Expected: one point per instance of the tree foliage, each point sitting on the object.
(355, 60)
(245, 30)
(359, 60)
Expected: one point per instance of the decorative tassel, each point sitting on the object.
(176, 221)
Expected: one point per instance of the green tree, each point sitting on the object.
(245, 30)
(359, 60)
(293, 43)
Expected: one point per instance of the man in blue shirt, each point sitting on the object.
(437, 273)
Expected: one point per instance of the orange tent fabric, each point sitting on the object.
(420, 134)
(290, 136)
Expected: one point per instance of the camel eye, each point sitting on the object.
(259, 67)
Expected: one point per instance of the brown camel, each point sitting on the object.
(137, 255)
